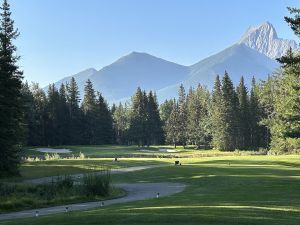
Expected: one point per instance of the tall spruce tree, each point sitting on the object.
(104, 122)
(121, 121)
(243, 116)
(28, 117)
(198, 117)
(154, 123)
(182, 116)
(138, 118)
(63, 117)
(217, 109)
(89, 109)
(173, 126)
(10, 95)
(230, 114)
(75, 114)
(52, 120)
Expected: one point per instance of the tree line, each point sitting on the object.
(58, 118)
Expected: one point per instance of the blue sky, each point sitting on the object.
(63, 37)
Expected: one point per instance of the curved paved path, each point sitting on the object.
(136, 191)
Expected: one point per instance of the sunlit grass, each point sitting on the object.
(220, 190)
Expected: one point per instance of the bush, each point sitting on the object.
(7, 189)
(97, 184)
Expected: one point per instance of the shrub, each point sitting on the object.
(81, 155)
(97, 184)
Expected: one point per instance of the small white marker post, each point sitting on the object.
(36, 213)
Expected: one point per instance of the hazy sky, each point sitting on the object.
(63, 37)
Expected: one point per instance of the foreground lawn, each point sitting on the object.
(221, 190)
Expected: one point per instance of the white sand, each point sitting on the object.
(167, 150)
(160, 150)
(52, 150)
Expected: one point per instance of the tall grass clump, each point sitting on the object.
(97, 184)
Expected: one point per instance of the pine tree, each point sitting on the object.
(244, 116)
(52, 121)
(104, 123)
(63, 117)
(138, 118)
(10, 95)
(75, 114)
(217, 122)
(182, 116)
(28, 112)
(121, 124)
(198, 117)
(230, 114)
(37, 131)
(173, 126)
(154, 123)
(89, 109)
(284, 123)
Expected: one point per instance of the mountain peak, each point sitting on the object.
(264, 39)
(265, 30)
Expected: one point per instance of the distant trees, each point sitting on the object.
(226, 119)
(11, 116)
(57, 119)
(140, 123)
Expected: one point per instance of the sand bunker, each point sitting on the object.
(52, 150)
(167, 150)
(160, 150)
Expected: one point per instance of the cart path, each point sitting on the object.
(135, 192)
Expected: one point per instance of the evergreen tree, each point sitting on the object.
(28, 104)
(230, 114)
(104, 123)
(138, 118)
(121, 124)
(182, 116)
(198, 117)
(173, 126)
(89, 109)
(284, 123)
(75, 114)
(37, 131)
(63, 117)
(154, 123)
(244, 116)
(10, 96)
(52, 120)
(218, 123)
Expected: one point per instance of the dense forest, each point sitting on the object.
(267, 115)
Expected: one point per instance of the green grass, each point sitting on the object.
(31, 170)
(231, 190)
(111, 151)
(62, 190)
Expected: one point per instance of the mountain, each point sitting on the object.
(264, 39)
(80, 78)
(253, 55)
(238, 60)
(121, 78)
